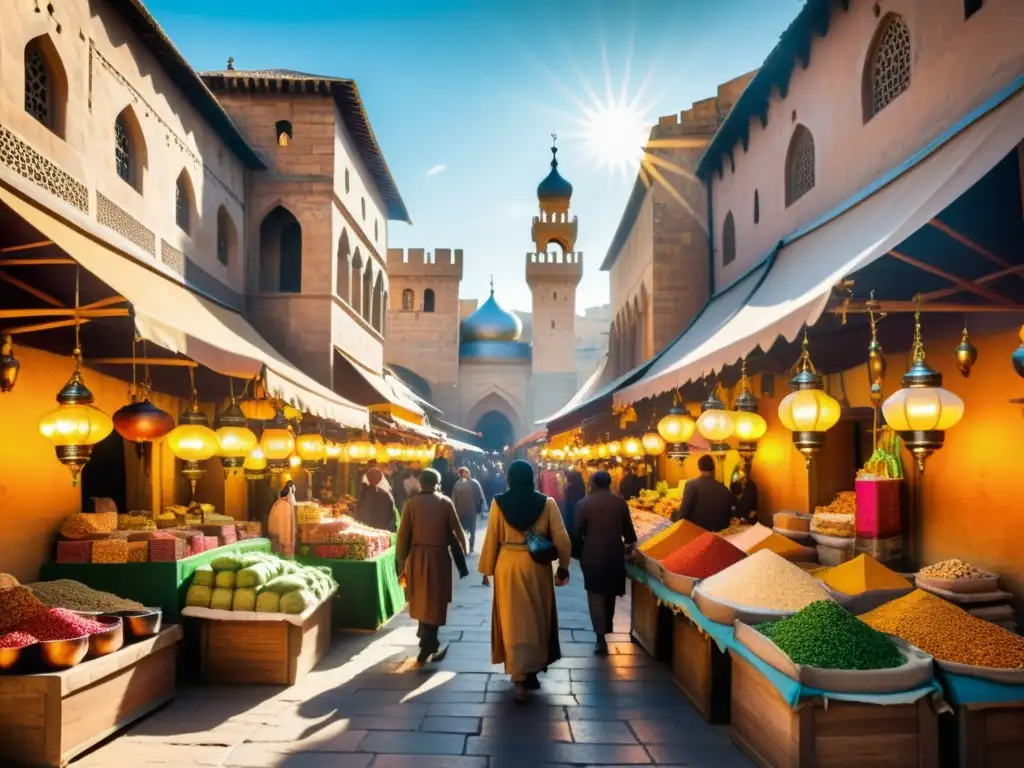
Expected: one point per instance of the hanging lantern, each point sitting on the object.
(193, 441)
(632, 447)
(311, 447)
(586, 452)
(394, 451)
(715, 423)
(808, 411)
(255, 465)
(676, 428)
(653, 443)
(332, 450)
(9, 365)
(876, 356)
(277, 442)
(922, 410)
(602, 451)
(613, 449)
(260, 407)
(76, 425)
(1017, 358)
(234, 438)
(359, 451)
(748, 425)
(966, 355)
(294, 461)
(140, 421)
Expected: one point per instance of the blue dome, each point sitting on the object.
(490, 323)
(554, 187)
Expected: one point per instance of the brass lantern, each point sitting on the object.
(193, 441)
(876, 355)
(632, 447)
(808, 411)
(676, 428)
(140, 421)
(234, 439)
(922, 410)
(76, 425)
(602, 451)
(9, 365)
(715, 423)
(653, 443)
(311, 447)
(613, 448)
(255, 465)
(748, 425)
(966, 355)
(278, 442)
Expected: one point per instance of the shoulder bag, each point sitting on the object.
(541, 548)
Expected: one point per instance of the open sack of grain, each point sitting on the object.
(824, 646)
(863, 584)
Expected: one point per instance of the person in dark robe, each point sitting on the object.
(605, 531)
(630, 486)
(744, 494)
(706, 502)
(448, 478)
(429, 526)
(376, 506)
(575, 492)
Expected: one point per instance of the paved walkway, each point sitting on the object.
(367, 706)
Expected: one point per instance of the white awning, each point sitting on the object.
(794, 285)
(171, 316)
(458, 445)
(589, 388)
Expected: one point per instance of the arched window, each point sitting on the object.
(343, 268)
(408, 300)
(799, 165)
(227, 237)
(887, 72)
(428, 300)
(757, 207)
(728, 239)
(376, 317)
(355, 295)
(280, 252)
(129, 148)
(46, 84)
(384, 315)
(367, 308)
(283, 131)
(183, 202)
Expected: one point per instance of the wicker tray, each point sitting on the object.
(989, 583)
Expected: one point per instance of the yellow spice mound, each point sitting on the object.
(780, 545)
(673, 538)
(863, 574)
(947, 632)
(767, 581)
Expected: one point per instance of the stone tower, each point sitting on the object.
(423, 318)
(553, 275)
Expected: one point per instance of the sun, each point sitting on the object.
(614, 133)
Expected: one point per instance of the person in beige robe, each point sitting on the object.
(524, 617)
(281, 522)
(428, 526)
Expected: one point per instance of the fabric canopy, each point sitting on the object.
(406, 392)
(375, 389)
(171, 316)
(792, 287)
(530, 439)
(458, 445)
(585, 392)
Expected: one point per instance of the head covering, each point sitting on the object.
(466, 470)
(521, 504)
(601, 479)
(288, 488)
(429, 479)
(374, 476)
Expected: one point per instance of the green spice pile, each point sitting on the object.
(827, 636)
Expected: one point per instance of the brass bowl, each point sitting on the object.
(12, 657)
(64, 654)
(108, 641)
(141, 623)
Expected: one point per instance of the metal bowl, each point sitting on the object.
(10, 658)
(108, 641)
(141, 624)
(91, 615)
(63, 654)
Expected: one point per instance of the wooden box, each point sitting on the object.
(650, 624)
(48, 719)
(263, 652)
(845, 735)
(983, 736)
(701, 670)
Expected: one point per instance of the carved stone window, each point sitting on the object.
(728, 239)
(888, 73)
(799, 165)
(227, 237)
(283, 131)
(182, 203)
(428, 300)
(122, 149)
(38, 87)
(408, 300)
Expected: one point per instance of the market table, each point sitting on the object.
(987, 727)
(155, 585)
(368, 590)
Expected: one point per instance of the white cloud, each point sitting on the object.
(436, 169)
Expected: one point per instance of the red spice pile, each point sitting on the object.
(60, 624)
(16, 640)
(705, 556)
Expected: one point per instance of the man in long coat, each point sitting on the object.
(429, 525)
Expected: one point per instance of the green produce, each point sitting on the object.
(244, 599)
(229, 562)
(198, 596)
(268, 602)
(225, 579)
(203, 576)
(256, 575)
(827, 636)
(298, 601)
(222, 598)
(286, 583)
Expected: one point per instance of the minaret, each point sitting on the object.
(553, 272)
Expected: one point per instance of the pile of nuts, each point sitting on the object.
(16, 605)
(953, 569)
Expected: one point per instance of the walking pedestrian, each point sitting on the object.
(575, 492)
(524, 617)
(376, 506)
(429, 525)
(469, 501)
(605, 531)
(281, 522)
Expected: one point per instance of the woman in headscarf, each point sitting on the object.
(281, 522)
(376, 507)
(575, 492)
(429, 525)
(524, 619)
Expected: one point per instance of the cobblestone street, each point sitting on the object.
(367, 704)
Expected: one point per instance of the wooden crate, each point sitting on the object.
(49, 718)
(263, 652)
(845, 735)
(701, 670)
(984, 736)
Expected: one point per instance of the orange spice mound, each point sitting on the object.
(670, 540)
(780, 545)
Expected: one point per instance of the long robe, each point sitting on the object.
(524, 620)
(428, 523)
(376, 509)
(604, 527)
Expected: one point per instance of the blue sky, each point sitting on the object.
(463, 95)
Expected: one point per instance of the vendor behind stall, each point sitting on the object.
(376, 506)
(706, 502)
(281, 522)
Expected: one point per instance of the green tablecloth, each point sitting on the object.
(157, 585)
(368, 591)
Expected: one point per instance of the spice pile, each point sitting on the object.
(862, 574)
(947, 632)
(670, 540)
(67, 593)
(16, 605)
(747, 537)
(766, 581)
(783, 546)
(827, 636)
(16, 640)
(59, 624)
(705, 556)
(953, 569)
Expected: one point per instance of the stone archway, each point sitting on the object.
(497, 432)
(494, 402)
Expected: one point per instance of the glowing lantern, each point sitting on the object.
(654, 444)
(602, 451)
(586, 452)
(676, 428)
(748, 425)
(75, 426)
(234, 438)
(808, 411)
(632, 447)
(311, 448)
(193, 441)
(332, 450)
(715, 423)
(394, 451)
(255, 466)
(294, 462)
(277, 442)
(613, 448)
